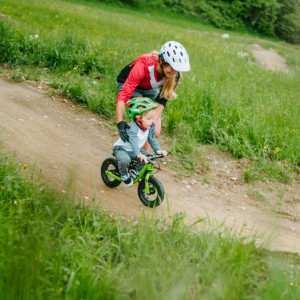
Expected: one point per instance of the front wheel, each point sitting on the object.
(156, 193)
(110, 164)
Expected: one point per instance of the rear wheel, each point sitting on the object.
(110, 164)
(156, 192)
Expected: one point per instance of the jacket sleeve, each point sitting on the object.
(152, 140)
(136, 75)
(132, 132)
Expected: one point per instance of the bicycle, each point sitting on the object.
(150, 189)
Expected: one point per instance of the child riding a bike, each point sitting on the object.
(140, 130)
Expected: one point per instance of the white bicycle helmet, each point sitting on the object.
(176, 56)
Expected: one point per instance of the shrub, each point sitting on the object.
(288, 23)
(269, 17)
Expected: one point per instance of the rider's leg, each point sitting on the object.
(124, 160)
(137, 92)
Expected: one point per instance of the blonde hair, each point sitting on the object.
(170, 84)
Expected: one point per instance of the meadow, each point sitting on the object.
(227, 99)
(52, 247)
(55, 248)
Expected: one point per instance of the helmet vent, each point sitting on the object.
(138, 106)
(175, 55)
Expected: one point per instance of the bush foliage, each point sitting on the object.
(269, 17)
(288, 24)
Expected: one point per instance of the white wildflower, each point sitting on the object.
(242, 54)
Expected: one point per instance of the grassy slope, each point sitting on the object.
(53, 250)
(227, 99)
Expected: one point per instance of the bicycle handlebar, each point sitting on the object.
(154, 156)
(150, 157)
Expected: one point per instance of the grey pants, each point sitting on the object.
(152, 94)
(124, 158)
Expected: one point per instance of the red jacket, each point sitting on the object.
(142, 74)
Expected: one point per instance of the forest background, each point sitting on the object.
(268, 17)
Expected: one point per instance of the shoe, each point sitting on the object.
(134, 173)
(127, 180)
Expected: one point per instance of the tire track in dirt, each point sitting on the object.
(69, 143)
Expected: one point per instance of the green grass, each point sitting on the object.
(228, 100)
(54, 249)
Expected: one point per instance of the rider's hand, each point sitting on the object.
(142, 157)
(164, 153)
(122, 131)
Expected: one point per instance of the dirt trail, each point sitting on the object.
(269, 58)
(65, 141)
